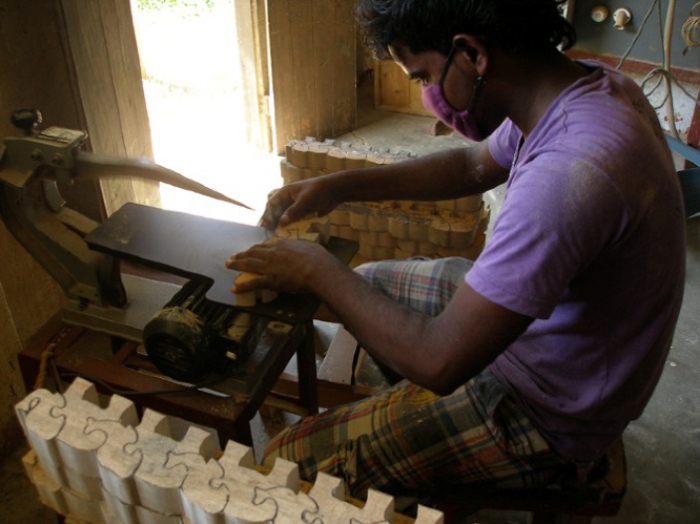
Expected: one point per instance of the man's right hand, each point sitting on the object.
(296, 201)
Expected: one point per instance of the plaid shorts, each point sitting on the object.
(407, 440)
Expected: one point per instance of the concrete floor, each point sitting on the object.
(663, 446)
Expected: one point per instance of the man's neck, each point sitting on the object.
(534, 85)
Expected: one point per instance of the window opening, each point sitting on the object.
(190, 66)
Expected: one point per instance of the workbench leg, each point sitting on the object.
(306, 368)
(243, 435)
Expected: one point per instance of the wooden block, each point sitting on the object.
(439, 233)
(398, 226)
(463, 231)
(349, 233)
(82, 508)
(243, 485)
(41, 426)
(315, 229)
(409, 246)
(50, 491)
(427, 515)
(340, 217)
(366, 251)
(251, 298)
(378, 221)
(400, 254)
(386, 239)
(316, 156)
(446, 205)
(289, 172)
(359, 218)
(78, 449)
(470, 204)
(116, 467)
(419, 228)
(382, 253)
(355, 160)
(289, 147)
(201, 502)
(298, 154)
(335, 160)
(370, 238)
(158, 488)
(485, 218)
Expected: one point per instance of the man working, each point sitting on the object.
(530, 362)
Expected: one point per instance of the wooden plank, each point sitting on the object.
(312, 64)
(251, 24)
(337, 363)
(102, 43)
(344, 72)
(395, 92)
(11, 387)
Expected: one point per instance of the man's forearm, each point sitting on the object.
(438, 176)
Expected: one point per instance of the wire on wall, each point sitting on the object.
(662, 76)
(690, 30)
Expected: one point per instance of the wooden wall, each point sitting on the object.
(312, 64)
(76, 61)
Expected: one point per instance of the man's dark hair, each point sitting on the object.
(421, 25)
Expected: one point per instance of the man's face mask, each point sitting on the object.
(434, 101)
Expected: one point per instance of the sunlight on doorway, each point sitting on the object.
(191, 78)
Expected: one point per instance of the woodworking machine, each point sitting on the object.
(188, 331)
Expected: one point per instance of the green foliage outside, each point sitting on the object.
(195, 5)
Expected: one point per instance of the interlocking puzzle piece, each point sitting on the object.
(83, 508)
(41, 428)
(50, 492)
(243, 483)
(158, 487)
(329, 493)
(251, 298)
(116, 467)
(201, 502)
(313, 229)
(429, 516)
(78, 449)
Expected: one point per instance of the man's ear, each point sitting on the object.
(474, 49)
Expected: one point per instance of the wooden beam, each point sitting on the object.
(102, 43)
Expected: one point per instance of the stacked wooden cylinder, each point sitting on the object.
(389, 229)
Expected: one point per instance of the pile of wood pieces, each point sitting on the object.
(391, 229)
(92, 460)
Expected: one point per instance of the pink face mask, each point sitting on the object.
(434, 101)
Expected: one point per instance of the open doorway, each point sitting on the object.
(191, 70)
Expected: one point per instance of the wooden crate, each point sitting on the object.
(393, 91)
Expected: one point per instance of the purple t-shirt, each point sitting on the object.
(590, 241)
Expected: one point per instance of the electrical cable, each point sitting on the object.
(639, 32)
(690, 30)
(690, 33)
(668, 30)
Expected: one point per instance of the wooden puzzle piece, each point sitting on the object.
(116, 467)
(157, 487)
(241, 482)
(166, 471)
(313, 229)
(328, 492)
(41, 427)
(201, 502)
(78, 449)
